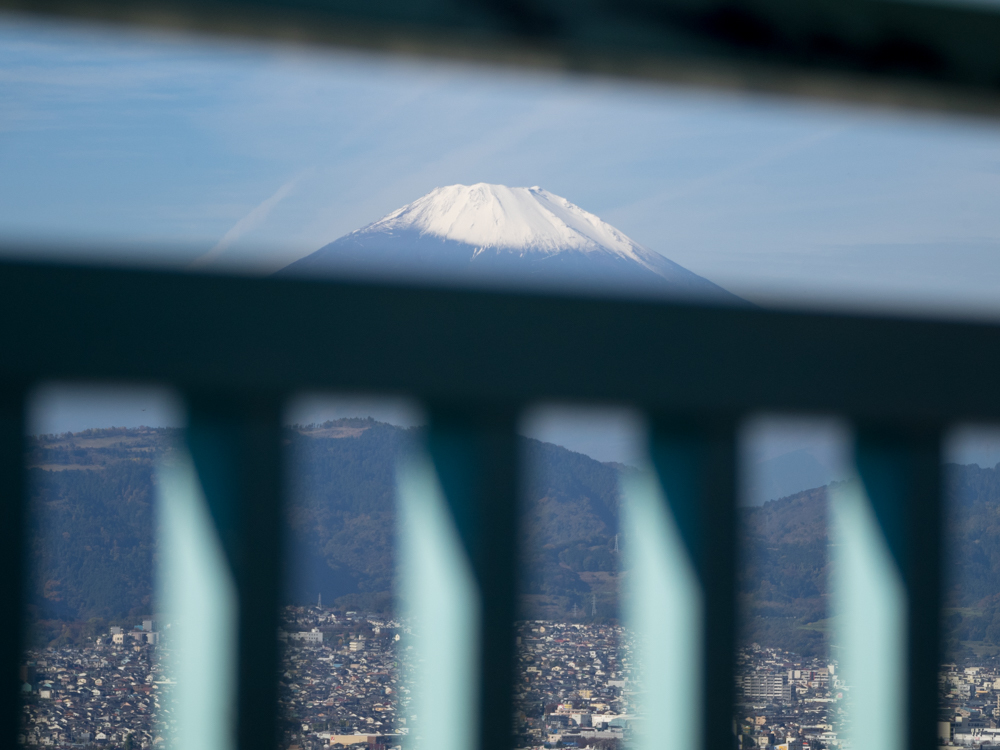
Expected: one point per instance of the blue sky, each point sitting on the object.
(167, 149)
(170, 150)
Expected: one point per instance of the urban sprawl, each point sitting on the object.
(342, 684)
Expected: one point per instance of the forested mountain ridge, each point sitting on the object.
(92, 522)
(91, 541)
(92, 534)
(784, 571)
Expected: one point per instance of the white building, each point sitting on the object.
(314, 636)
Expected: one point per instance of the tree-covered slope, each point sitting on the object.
(785, 566)
(91, 542)
(782, 576)
(343, 523)
(92, 537)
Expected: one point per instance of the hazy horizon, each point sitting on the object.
(151, 148)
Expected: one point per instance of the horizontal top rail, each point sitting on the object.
(441, 345)
(921, 54)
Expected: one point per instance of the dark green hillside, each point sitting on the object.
(92, 541)
(342, 516)
(93, 563)
(569, 526)
(783, 578)
(91, 522)
(972, 622)
(975, 534)
(783, 572)
(91, 525)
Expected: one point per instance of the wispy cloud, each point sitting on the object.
(251, 221)
(713, 180)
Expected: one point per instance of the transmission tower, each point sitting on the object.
(593, 605)
(616, 543)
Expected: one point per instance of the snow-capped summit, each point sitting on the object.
(498, 235)
(522, 220)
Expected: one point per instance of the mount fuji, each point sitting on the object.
(493, 235)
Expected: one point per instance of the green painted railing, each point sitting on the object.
(238, 347)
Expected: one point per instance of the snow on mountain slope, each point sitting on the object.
(496, 216)
(497, 235)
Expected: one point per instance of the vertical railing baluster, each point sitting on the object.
(901, 472)
(696, 464)
(13, 528)
(237, 450)
(475, 456)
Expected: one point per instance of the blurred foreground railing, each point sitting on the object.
(238, 347)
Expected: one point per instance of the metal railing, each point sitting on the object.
(237, 347)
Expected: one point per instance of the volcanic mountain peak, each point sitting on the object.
(496, 235)
(504, 218)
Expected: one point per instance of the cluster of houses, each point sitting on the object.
(970, 706)
(342, 686)
(573, 685)
(340, 683)
(105, 693)
(786, 702)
